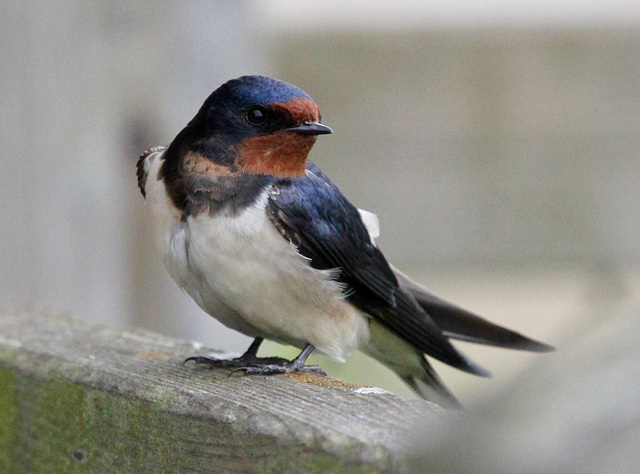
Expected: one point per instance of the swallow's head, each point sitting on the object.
(257, 125)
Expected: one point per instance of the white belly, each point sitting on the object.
(241, 271)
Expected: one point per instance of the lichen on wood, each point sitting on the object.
(77, 396)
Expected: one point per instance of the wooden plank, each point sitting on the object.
(77, 396)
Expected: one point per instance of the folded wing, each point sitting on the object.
(312, 213)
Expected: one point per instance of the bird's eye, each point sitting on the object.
(256, 115)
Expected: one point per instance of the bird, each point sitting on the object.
(267, 244)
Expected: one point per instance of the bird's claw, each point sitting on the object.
(200, 360)
(250, 364)
(276, 369)
(237, 363)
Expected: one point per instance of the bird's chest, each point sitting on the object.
(245, 264)
(248, 265)
(240, 270)
(239, 255)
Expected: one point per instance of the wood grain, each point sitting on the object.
(77, 396)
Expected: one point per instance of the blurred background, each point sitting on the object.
(497, 141)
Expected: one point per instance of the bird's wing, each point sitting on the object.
(458, 323)
(142, 168)
(312, 213)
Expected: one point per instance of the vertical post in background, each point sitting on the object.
(86, 88)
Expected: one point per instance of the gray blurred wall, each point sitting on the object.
(490, 145)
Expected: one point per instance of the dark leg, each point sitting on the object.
(248, 359)
(296, 365)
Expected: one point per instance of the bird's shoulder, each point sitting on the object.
(142, 166)
(311, 212)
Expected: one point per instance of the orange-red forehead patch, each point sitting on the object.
(300, 109)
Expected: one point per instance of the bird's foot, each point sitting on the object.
(245, 360)
(280, 368)
(251, 364)
(296, 365)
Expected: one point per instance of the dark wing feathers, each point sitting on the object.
(311, 212)
(141, 173)
(415, 326)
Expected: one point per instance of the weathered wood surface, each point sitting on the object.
(76, 396)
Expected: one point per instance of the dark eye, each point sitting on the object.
(256, 115)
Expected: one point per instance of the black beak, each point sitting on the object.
(310, 128)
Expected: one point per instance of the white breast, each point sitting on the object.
(241, 271)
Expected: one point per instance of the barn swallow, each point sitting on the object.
(264, 242)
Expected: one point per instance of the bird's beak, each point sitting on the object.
(310, 128)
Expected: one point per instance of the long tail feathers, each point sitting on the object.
(430, 387)
(397, 349)
(458, 323)
(409, 364)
